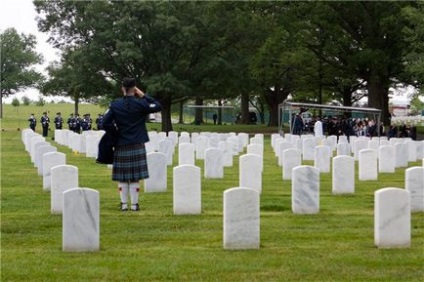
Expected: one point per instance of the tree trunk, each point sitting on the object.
(1, 105)
(166, 115)
(181, 115)
(244, 108)
(76, 105)
(198, 112)
(347, 100)
(378, 96)
(220, 112)
(262, 113)
(273, 99)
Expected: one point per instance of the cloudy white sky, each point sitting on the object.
(21, 15)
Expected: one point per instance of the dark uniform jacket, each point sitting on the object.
(128, 116)
(45, 121)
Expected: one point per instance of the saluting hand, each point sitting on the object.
(139, 93)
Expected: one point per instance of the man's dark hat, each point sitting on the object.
(128, 82)
(58, 113)
(44, 113)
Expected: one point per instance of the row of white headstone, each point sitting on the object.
(80, 206)
(305, 200)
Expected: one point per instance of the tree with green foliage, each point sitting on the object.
(162, 44)
(364, 41)
(26, 101)
(17, 59)
(16, 102)
(414, 32)
(40, 102)
(74, 77)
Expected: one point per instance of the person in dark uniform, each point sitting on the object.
(58, 121)
(45, 121)
(89, 121)
(77, 124)
(126, 120)
(99, 122)
(70, 122)
(32, 122)
(86, 122)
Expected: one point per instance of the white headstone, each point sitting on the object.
(255, 149)
(305, 190)
(153, 141)
(187, 190)
(291, 159)
(64, 177)
(39, 157)
(81, 220)
(420, 149)
(333, 141)
(201, 146)
(241, 219)
(158, 174)
(36, 142)
(184, 139)
(234, 145)
(328, 142)
(250, 172)
(227, 149)
(412, 150)
(392, 218)
(174, 136)
(92, 146)
(214, 165)
(343, 176)
(386, 159)
(186, 154)
(281, 147)
(367, 165)
(50, 160)
(359, 145)
(414, 183)
(374, 144)
(308, 149)
(322, 158)
(352, 140)
(28, 136)
(166, 147)
(244, 137)
(343, 149)
(342, 139)
(402, 154)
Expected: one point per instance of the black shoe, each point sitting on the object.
(123, 206)
(135, 207)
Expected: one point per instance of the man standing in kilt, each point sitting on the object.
(126, 120)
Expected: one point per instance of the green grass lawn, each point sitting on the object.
(154, 245)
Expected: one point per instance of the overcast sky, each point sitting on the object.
(21, 15)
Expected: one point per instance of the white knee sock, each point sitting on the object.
(134, 189)
(123, 191)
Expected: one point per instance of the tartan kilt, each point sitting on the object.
(130, 163)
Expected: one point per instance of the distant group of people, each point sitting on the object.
(402, 131)
(75, 122)
(340, 126)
